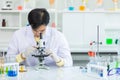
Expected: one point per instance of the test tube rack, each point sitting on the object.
(10, 71)
(97, 71)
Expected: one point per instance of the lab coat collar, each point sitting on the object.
(47, 32)
(30, 35)
(46, 37)
(30, 32)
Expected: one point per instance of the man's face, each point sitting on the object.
(40, 29)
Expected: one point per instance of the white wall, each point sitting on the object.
(5, 35)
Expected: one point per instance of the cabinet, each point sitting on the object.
(15, 19)
(80, 28)
(12, 19)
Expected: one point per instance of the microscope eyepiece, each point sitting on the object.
(41, 36)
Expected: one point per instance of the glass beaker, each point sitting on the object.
(82, 8)
(114, 74)
(70, 5)
(91, 55)
(115, 4)
(1, 60)
(10, 58)
(51, 2)
(20, 7)
(29, 4)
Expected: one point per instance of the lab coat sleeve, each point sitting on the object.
(13, 46)
(64, 51)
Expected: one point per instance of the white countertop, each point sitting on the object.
(69, 73)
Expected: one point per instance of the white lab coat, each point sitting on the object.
(54, 40)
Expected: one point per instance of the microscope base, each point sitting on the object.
(43, 67)
(38, 67)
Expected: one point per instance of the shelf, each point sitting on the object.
(28, 10)
(11, 11)
(62, 11)
(10, 28)
(54, 10)
(102, 48)
(88, 11)
(112, 29)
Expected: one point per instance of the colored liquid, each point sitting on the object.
(6, 70)
(51, 2)
(99, 1)
(19, 7)
(115, 1)
(1, 70)
(82, 8)
(12, 73)
(117, 64)
(53, 24)
(109, 41)
(71, 8)
(91, 53)
(116, 41)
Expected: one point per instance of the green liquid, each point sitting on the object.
(117, 64)
(0, 71)
(6, 70)
(109, 41)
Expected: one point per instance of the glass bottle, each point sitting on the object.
(51, 3)
(115, 4)
(99, 4)
(70, 5)
(3, 23)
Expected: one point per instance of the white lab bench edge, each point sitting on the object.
(67, 73)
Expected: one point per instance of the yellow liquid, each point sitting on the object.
(115, 1)
(82, 8)
(51, 2)
(99, 1)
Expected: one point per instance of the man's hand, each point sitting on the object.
(59, 61)
(28, 51)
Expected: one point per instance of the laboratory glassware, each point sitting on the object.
(3, 22)
(83, 7)
(51, 2)
(99, 4)
(115, 4)
(114, 74)
(92, 53)
(69, 5)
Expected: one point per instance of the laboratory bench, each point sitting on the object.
(82, 58)
(84, 55)
(67, 73)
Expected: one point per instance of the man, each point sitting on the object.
(23, 43)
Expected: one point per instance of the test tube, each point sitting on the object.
(2, 67)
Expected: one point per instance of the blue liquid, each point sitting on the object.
(12, 73)
(71, 8)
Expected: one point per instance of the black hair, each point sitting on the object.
(38, 17)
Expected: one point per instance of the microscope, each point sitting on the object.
(8, 5)
(40, 53)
